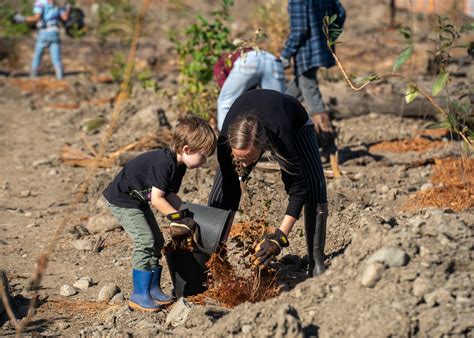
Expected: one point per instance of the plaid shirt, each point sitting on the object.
(306, 41)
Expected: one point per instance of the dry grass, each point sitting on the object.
(454, 186)
(417, 144)
(72, 307)
(42, 85)
(64, 106)
(81, 158)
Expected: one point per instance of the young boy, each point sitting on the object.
(155, 177)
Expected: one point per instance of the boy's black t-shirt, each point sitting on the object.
(131, 188)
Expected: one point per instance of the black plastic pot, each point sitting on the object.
(188, 269)
(188, 272)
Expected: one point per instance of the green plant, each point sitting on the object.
(144, 77)
(147, 81)
(7, 27)
(272, 18)
(204, 42)
(118, 67)
(457, 112)
(117, 18)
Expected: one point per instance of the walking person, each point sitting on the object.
(154, 178)
(242, 70)
(265, 120)
(48, 16)
(306, 48)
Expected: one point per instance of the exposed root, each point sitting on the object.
(230, 289)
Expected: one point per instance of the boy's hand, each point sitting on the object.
(269, 247)
(182, 224)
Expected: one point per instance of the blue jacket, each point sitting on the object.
(306, 42)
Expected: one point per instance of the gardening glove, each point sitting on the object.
(18, 18)
(285, 62)
(269, 247)
(182, 224)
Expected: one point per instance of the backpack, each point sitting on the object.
(75, 21)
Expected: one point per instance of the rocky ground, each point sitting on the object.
(394, 268)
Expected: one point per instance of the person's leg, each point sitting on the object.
(309, 86)
(40, 45)
(315, 209)
(293, 89)
(55, 52)
(155, 288)
(136, 225)
(273, 75)
(242, 77)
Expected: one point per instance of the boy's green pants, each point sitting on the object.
(146, 235)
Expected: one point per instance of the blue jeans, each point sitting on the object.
(254, 68)
(48, 38)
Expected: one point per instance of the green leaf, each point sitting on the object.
(403, 58)
(411, 93)
(438, 125)
(440, 82)
(406, 32)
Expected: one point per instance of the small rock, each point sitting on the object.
(372, 274)
(101, 223)
(25, 193)
(382, 188)
(107, 292)
(438, 297)
(373, 116)
(119, 298)
(391, 194)
(179, 313)
(246, 329)
(62, 326)
(422, 286)
(83, 244)
(37, 163)
(53, 172)
(83, 283)
(288, 323)
(67, 291)
(426, 187)
(392, 257)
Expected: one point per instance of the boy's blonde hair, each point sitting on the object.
(196, 133)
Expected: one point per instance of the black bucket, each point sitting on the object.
(188, 272)
(188, 269)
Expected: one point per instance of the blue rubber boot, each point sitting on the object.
(140, 298)
(155, 289)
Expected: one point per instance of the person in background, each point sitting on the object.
(154, 178)
(47, 16)
(242, 70)
(306, 47)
